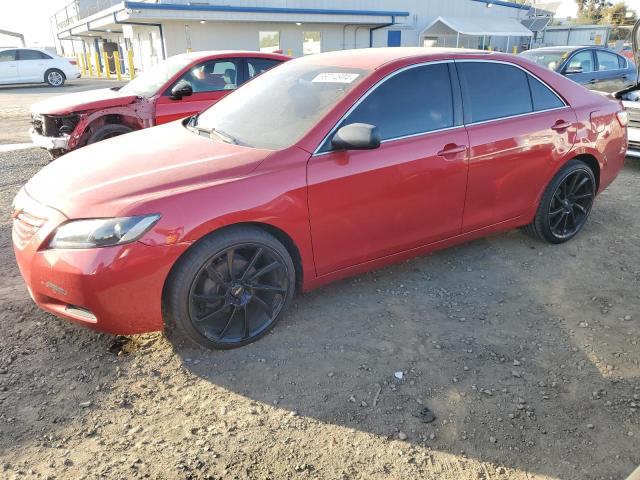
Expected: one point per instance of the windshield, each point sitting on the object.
(276, 109)
(552, 59)
(148, 83)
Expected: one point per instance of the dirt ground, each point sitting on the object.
(528, 355)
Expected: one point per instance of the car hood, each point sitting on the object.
(81, 101)
(112, 177)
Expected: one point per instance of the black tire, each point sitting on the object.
(108, 131)
(216, 309)
(54, 77)
(56, 153)
(565, 205)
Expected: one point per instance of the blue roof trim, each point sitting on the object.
(228, 8)
(504, 4)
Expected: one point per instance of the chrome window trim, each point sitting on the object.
(515, 116)
(316, 152)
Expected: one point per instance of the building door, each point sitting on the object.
(394, 38)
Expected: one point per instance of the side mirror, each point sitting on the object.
(356, 136)
(570, 70)
(181, 89)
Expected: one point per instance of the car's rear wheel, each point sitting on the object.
(565, 205)
(108, 131)
(229, 289)
(54, 77)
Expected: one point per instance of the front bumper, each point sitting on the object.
(50, 143)
(634, 142)
(115, 290)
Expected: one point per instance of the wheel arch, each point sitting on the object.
(592, 163)
(46, 72)
(281, 235)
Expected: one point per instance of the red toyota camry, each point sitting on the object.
(324, 167)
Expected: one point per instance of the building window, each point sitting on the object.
(269, 41)
(311, 43)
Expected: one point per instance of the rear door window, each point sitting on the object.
(32, 55)
(493, 90)
(417, 100)
(258, 66)
(607, 61)
(543, 97)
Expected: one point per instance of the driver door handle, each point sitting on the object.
(560, 125)
(452, 149)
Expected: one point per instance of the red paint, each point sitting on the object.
(345, 212)
(93, 107)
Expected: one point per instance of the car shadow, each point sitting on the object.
(504, 369)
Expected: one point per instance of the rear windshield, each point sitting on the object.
(279, 107)
(551, 59)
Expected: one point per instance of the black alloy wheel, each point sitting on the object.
(236, 294)
(566, 204)
(571, 204)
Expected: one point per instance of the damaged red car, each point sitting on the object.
(175, 88)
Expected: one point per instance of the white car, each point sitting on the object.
(631, 99)
(32, 65)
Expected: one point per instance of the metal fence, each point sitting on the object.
(79, 9)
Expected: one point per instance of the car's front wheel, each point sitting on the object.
(229, 289)
(109, 130)
(54, 77)
(565, 205)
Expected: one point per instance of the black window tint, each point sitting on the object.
(8, 56)
(493, 90)
(414, 101)
(31, 55)
(260, 65)
(543, 98)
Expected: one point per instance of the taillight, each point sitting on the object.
(72, 61)
(623, 118)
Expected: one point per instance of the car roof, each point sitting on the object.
(373, 58)
(231, 53)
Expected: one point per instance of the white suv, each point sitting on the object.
(31, 65)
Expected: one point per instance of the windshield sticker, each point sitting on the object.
(329, 77)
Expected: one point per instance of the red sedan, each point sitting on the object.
(175, 88)
(325, 167)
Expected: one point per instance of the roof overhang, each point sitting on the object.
(495, 27)
(143, 12)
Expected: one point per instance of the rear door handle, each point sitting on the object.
(560, 125)
(452, 149)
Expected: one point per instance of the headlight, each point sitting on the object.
(101, 232)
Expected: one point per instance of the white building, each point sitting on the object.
(156, 29)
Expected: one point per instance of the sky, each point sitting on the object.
(31, 18)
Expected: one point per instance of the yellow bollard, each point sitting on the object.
(189, 50)
(89, 67)
(132, 70)
(290, 52)
(98, 68)
(116, 59)
(490, 48)
(107, 72)
(515, 49)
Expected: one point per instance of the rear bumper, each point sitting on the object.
(50, 143)
(633, 149)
